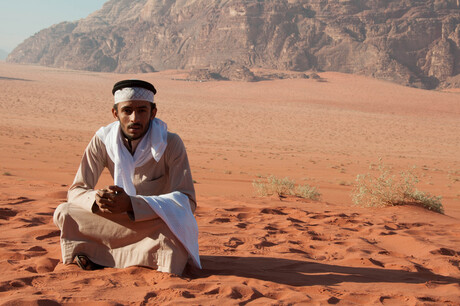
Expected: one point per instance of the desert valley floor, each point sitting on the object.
(254, 250)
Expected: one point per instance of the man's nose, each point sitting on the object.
(134, 117)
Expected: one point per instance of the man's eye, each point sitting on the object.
(127, 111)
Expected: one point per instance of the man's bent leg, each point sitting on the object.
(114, 240)
(171, 256)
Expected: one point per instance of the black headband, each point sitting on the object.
(133, 83)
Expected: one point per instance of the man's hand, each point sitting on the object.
(113, 199)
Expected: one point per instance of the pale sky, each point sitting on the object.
(20, 19)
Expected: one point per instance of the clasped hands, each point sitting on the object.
(113, 199)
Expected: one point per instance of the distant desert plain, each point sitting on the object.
(255, 250)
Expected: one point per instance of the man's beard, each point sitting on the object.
(135, 125)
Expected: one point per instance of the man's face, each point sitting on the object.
(134, 117)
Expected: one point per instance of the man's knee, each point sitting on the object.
(60, 214)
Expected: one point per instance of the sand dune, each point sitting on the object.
(255, 250)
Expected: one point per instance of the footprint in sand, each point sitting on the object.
(20, 301)
(427, 299)
(333, 300)
(340, 221)
(240, 292)
(264, 244)
(298, 224)
(17, 283)
(421, 269)
(409, 226)
(299, 227)
(36, 251)
(149, 296)
(31, 269)
(44, 265)
(212, 291)
(188, 295)
(450, 253)
(445, 252)
(270, 228)
(239, 209)
(31, 222)
(319, 216)
(233, 243)
(51, 234)
(20, 200)
(46, 213)
(455, 263)
(271, 211)
(220, 220)
(293, 220)
(387, 233)
(242, 216)
(242, 225)
(391, 227)
(7, 213)
(343, 243)
(377, 263)
(298, 251)
(383, 298)
(315, 236)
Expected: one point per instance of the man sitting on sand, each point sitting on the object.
(146, 217)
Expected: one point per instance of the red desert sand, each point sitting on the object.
(254, 250)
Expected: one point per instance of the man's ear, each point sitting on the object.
(114, 113)
(154, 113)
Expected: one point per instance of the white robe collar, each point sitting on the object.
(152, 145)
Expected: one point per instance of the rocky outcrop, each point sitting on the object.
(227, 71)
(235, 72)
(416, 43)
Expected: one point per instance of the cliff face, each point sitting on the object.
(411, 42)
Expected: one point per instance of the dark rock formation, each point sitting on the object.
(227, 71)
(412, 42)
(235, 72)
(202, 75)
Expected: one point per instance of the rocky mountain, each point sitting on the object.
(412, 42)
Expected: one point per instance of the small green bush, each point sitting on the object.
(387, 189)
(428, 201)
(283, 187)
(274, 185)
(308, 192)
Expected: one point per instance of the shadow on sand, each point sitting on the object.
(13, 79)
(309, 273)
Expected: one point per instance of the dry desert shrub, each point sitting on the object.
(284, 186)
(307, 192)
(387, 189)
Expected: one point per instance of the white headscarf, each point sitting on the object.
(153, 144)
(133, 94)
